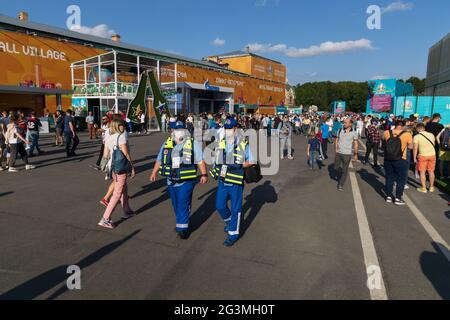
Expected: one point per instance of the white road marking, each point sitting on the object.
(440, 242)
(434, 235)
(368, 246)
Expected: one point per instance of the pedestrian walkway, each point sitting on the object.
(301, 237)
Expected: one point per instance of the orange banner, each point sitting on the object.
(246, 90)
(37, 61)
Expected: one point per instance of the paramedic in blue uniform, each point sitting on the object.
(178, 160)
(232, 156)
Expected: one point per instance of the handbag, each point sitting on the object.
(119, 163)
(253, 174)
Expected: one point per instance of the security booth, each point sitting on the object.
(108, 83)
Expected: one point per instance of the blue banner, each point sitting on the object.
(442, 106)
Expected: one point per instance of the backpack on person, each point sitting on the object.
(445, 140)
(393, 150)
(119, 163)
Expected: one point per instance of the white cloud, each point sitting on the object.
(174, 52)
(328, 47)
(398, 6)
(380, 77)
(264, 3)
(261, 3)
(101, 30)
(311, 74)
(219, 42)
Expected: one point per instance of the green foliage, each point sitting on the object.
(322, 94)
(419, 85)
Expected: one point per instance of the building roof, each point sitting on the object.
(240, 53)
(104, 42)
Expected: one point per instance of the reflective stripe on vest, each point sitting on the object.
(187, 170)
(235, 172)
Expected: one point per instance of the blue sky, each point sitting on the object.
(290, 31)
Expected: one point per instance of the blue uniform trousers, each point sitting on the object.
(181, 197)
(232, 216)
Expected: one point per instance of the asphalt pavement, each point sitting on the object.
(302, 239)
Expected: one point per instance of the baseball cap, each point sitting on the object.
(177, 125)
(230, 123)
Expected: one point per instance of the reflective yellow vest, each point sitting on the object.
(235, 171)
(187, 169)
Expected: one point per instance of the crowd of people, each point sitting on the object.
(19, 136)
(407, 144)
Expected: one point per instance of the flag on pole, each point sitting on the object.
(138, 105)
(159, 101)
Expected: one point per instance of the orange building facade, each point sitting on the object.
(35, 64)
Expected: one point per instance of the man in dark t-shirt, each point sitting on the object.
(33, 125)
(434, 126)
(70, 134)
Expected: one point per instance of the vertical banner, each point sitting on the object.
(138, 105)
(159, 101)
(339, 107)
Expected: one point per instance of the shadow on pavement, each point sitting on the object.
(205, 211)
(145, 167)
(165, 196)
(259, 196)
(145, 159)
(6, 193)
(435, 267)
(48, 280)
(63, 151)
(149, 188)
(373, 180)
(78, 158)
(332, 172)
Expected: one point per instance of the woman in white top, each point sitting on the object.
(117, 139)
(15, 140)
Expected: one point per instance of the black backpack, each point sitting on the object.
(445, 140)
(393, 147)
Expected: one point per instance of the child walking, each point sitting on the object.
(313, 149)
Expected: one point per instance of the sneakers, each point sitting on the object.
(340, 188)
(422, 190)
(183, 235)
(389, 199)
(229, 242)
(108, 224)
(104, 202)
(432, 189)
(291, 158)
(406, 187)
(128, 215)
(399, 202)
(29, 167)
(11, 169)
(2, 169)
